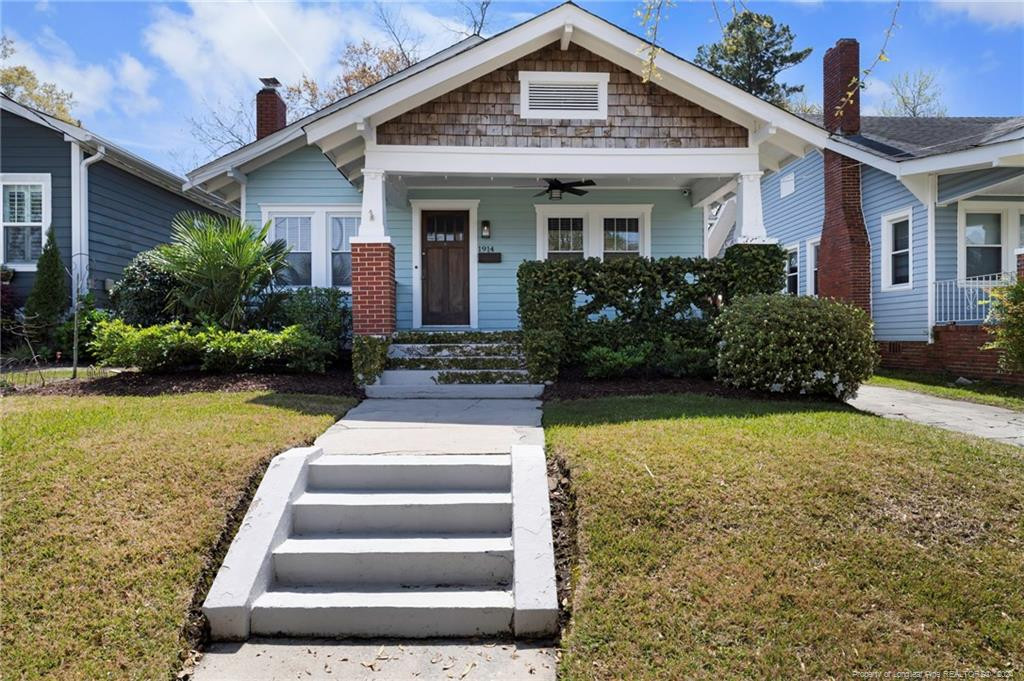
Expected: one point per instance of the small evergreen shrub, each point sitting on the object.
(174, 346)
(1007, 325)
(795, 345)
(604, 362)
(324, 312)
(178, 346)
(293, 348)
(88, 318)
(543, 351)
(369, 357)
(143, 294)
(686, 356)
(50, 295)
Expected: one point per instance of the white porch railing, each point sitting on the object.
(967, 300)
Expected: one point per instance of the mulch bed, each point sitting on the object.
(572, 384)
(563, 528)
(133, 383)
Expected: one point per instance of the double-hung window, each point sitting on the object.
(621, 238)
(297, 232)
(983, 244)
(793, 271)
(565, 238)
(342, 229)
(813, 253)
(897, 250)
(26, 218)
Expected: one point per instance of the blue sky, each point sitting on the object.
(140, 69)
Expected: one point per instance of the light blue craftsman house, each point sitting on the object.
(540, 142)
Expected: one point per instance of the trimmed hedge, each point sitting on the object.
(795, 345)
(569, 307)
(369, 357)
(1007, 326)
(178, 346)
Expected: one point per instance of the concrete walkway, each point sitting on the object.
(403, 427)
(993, 423)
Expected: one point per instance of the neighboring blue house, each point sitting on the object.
(104, 203)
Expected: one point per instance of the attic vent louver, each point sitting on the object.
(563, 95)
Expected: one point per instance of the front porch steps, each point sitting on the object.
(455, 365)
(395, 545)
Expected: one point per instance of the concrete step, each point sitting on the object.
(453, 560)
(472, 472)
(414, 613)
(418, 377)
(483, 391)
(404, 513)
(453, 350)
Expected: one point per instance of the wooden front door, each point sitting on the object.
(445, 264)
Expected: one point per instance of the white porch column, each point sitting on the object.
(373, 224)
(749, 218)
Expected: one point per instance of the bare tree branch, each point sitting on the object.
(914, 94)
(403, 38)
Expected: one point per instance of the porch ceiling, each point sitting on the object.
(537, 181)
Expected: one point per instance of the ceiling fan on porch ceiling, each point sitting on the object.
(556, 187)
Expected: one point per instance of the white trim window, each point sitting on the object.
(320, 252)
(988, 233)
(565, 237)
(813, 256)
(606, 231)
(792, 271)
(341, 230)
(898, 250)
(26, 218)
(563, 95)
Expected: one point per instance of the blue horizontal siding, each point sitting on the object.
(302, 177)
(28, 147)
(796, 218)
(898, 315)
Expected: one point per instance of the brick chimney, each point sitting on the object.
(844, 259)
(271, 111)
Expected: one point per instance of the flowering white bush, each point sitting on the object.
(796, 345)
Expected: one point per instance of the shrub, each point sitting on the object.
(324, 312)
(48, 301)
(573, 306)
(686, 356)
(220, 266)
(88, 319)
(176, 346)
(1007, 325)
(143, 294)
(604, 362)
(293, 349)
(369, 357)
(164, 347)
(795, 344)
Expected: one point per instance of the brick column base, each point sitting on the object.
(373, 288)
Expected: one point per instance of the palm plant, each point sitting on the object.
(220, 265)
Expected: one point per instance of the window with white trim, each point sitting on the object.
(813, 253)
(565, 238)
(983, 243)
(897, 250)
(787, 185)
(563, 95)
(342, 229)
(297, 232)
(621, 237)
(793, 271)
(25, 218)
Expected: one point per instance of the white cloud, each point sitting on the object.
(134, 80)
(994, 13)
(872, 95)
(220, 49)
(53, 60)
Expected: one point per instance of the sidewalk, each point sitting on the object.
(993, 423)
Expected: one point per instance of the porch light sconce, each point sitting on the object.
(485, 229)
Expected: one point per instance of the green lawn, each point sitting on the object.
(727, 538)
(109, 505)
(29, 378)
(941, 385)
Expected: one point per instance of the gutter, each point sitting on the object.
(80, 214)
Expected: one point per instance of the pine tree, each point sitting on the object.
(48, 301)
(753, 51)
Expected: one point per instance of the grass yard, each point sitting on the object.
(940, 385)
(29, 378)
(109, 506)
(727, 538)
